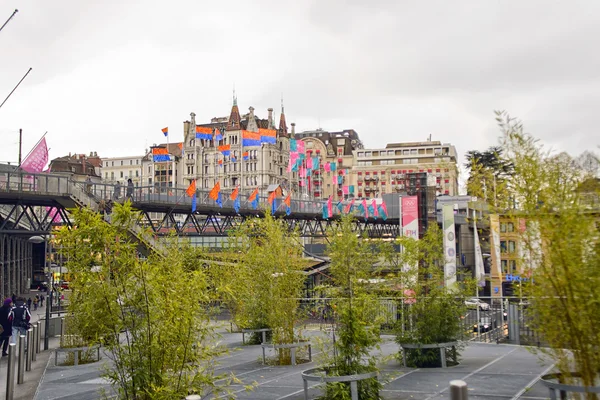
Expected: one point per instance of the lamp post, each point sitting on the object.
(37, 240)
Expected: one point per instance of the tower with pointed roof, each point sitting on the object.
(282, 131)
(234, 122)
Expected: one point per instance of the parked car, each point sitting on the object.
(486, 324)
(43, 287)
(64, 285)
(477, 303)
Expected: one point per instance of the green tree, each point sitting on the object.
(355, 305)
(148, 314)
(432, 312)
(561, 248)
(489, 175)
(266, 283)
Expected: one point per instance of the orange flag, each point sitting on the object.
(253, 195)
(288, 200)
(278, 192)
(214, 192)
(271, 197)
(191, 190)
(234, 194)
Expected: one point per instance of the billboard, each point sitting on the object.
(410, 216)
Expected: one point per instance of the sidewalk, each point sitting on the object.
(31, 381)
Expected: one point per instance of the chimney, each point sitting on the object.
(293, 128)
(270, 110)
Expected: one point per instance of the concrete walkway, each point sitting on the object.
(493, 372)
(28, 388)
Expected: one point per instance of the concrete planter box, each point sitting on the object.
(320, 375)
(441, 346)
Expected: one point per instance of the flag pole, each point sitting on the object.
(9, 18)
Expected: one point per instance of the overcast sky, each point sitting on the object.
(108, 75)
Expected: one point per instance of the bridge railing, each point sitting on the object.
(20, 181)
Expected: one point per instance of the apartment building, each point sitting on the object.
(119, 169)
(225, 150)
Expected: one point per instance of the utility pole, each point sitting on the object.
(20, 144)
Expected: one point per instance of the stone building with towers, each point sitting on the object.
(226, 150)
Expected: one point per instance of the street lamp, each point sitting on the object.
(38, 240)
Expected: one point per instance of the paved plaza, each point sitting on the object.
(492, 372)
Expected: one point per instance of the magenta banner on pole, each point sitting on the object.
(37, 159)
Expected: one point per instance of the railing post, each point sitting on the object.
(10, 371)
(458, 390)
(21, 361)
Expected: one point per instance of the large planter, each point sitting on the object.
(319, 375)
(441, 346)
(77, 352)
(292, 346)
(559, 390)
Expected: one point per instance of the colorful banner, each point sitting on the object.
(449, 245)
(37, 159)
(410, 217)
(496, 271)
(160, 154)
(250, 138)
(204, 133)
(479, 268)
(267, 135)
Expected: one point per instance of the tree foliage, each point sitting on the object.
(561, 251)
(432, 312)
(148, 314)
(355, 306)
(489, 175)
(265, 284)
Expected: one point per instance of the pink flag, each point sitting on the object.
(364, 204)
(301, 182)
(374, 204)
(309, 163)
(334, 180)
(302, 171)
(330, 206)
(300, 146)
(327, 167)
(54, 215)
(37, 159)
(384, 207)
(294, 156)
(345, 189)
(290, 165)
(349, 207)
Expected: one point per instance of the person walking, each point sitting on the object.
(130, 189)
(35, 302)
(6, 324)
(29, 303)
(117, 192)
(20, 319)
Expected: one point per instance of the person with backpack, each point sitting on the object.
(20, 319)
(6, 324)
(29, 303)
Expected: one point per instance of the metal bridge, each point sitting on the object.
(27, 200)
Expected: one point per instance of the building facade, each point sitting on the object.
(119, 169)
(225, 150)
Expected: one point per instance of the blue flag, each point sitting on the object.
(340, 206)
(325, 212)
(255, 202)
(288, 210)
(219, 201)
(236, 204)
(382, 212)
(194, 203)
(371, 210)
(274, 206)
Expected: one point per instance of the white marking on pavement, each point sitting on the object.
(533, 382)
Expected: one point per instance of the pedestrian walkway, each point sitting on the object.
(492, 371)
(27, 390)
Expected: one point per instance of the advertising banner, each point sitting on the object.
(479, 268)
(410, 217)
(449, 245)
(496, 271)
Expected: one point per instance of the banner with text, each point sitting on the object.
(409, 211)
(449, 245)
(496, 271)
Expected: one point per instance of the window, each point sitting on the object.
(503, 227)
(513, 266)
(149, 169)
(121, 174)
(137, 173)
(510, 227)
(406, 152)
(512, 246)
(206, 170)
(360, 154)
(112, 163)
(504, 264)
(130, 173)
(390, 152)
(130, 162)
(503, 246)
(341, 142)
(137, 162)
(368, 154)
(437, 151)
(106, 175)
(413, 151)
(112, 176)
(121, 162)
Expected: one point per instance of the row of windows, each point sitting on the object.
(508, 246)
(112, 163)
(509, 266)
(507, 227)
(122, 175)
(405, 152)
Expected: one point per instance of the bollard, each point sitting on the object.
(62, 331)
(28, 351)
(47, 321)
(34, 335)
(458, 390)
(193, 397)
(10, 371)
(21, 360)
(38, 346)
